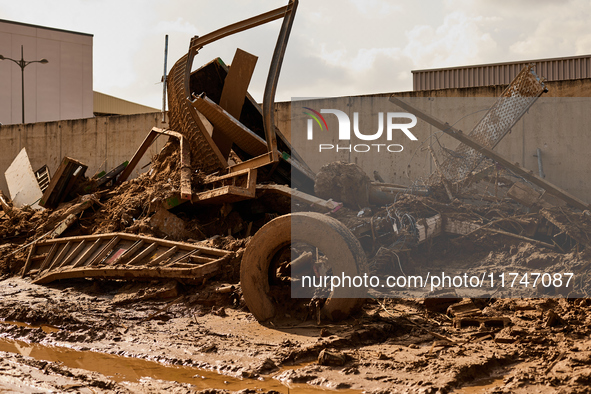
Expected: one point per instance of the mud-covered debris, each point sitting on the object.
(345, 182)
(553, 319)
(464, 309)
(331, 357)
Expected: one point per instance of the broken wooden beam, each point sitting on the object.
(111, 174)
(460, 322)
(231, 127)
(514, 167)
(137, 156)
(234, 94)
(68, 173)
(185, 154)
(5, 205)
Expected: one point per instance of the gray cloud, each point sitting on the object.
(336, 48)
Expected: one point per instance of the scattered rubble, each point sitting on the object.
(192, 262)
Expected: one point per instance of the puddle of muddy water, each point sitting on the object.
(481, 386)
(131, 369)
(47, 329)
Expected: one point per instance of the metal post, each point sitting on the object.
(22, 65)
(164, 80)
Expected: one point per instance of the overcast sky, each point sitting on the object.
(337, 47)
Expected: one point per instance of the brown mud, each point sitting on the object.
(391, 346)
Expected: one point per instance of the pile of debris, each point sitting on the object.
(220, 197)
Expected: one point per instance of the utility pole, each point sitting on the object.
(22, 64)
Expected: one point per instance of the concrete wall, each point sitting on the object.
(60, 89)
(558, 124)
(102, 142)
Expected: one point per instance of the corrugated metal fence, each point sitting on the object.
(558, 69)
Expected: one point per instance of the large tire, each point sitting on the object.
(339, 245)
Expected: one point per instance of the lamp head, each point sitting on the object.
(1, 57)
(44, 61)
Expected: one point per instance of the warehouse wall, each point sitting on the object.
(558, 124)
(101, 142)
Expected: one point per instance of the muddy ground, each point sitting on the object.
(111, 337)
(92, 335)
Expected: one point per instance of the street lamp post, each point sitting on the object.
(22, 64)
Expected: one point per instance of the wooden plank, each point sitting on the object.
(60, 255)
(48, 257)
(126, 236)
(234, 94)
(5, 206)
(104, 251)
(521, 237)
(163, 257)
(63, 226)
(112, 174)
(458, 227)
(28, 262)
(255, 162)
(143, 254)
(73, 254)
(133, 237)
(185, 256)
(137, 156)
(195, 273)
(233, 130)
(514, 167)
(59, 182)
(87, 253)
(131, 251)
(201, 259)
(77, 174)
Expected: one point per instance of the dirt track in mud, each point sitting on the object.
(198, 341)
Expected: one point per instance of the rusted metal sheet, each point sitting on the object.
(517, 98)
(120, 256)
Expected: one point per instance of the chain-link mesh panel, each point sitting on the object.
(515, 100)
